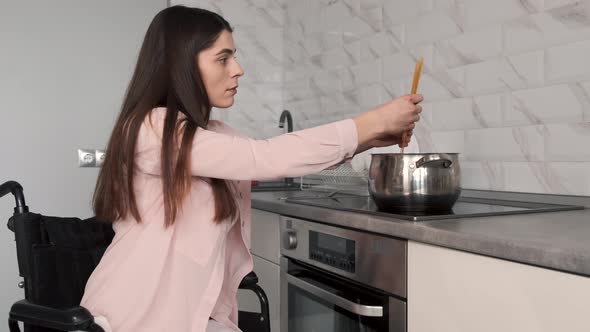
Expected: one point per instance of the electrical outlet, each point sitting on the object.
(99, 156)
(86, 158)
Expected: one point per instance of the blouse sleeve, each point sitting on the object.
(231, 156)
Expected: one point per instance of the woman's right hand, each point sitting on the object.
(400, 114)
(388, 120)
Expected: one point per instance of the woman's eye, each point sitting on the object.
(223, 61)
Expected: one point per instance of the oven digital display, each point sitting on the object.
(332, 250)
(333, 243)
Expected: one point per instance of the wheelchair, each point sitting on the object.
(55, 259)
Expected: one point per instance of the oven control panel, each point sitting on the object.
(371, 259)
(332, 250)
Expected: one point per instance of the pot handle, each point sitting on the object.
(435, 160)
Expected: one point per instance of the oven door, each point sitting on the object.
(316, 300)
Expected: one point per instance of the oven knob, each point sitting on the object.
(290, 239)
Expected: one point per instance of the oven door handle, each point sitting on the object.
(355, 308)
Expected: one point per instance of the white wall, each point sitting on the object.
(64, 67)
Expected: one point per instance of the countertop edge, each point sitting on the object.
(523, 252)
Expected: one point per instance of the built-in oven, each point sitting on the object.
(339, 279)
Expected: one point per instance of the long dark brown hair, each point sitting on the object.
(166, 74)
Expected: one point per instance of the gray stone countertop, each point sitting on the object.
(554, 240)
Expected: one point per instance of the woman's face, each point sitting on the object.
(220, 70)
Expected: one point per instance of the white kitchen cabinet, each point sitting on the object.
(265, 241)
(455, 291)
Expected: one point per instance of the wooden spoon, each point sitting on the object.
(417, 72)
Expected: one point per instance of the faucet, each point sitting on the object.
(286, 114)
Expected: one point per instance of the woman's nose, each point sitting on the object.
(237, 70)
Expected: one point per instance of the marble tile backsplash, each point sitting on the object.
(506, 82)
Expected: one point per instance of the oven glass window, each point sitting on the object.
(308, 312)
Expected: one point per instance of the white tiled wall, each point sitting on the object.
(506, 82)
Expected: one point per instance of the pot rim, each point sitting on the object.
(413, 154)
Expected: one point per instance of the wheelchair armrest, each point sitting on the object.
(249, 280)
(68, 319)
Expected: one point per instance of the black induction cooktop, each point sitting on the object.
(464, 207)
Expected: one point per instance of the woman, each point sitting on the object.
(177, 185)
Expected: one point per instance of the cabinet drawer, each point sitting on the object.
(455, 291)
(265, 239)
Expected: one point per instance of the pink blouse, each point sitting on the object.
(156, 279)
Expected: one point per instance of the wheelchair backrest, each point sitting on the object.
(57, 255)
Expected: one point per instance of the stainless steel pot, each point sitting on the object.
(422, 182)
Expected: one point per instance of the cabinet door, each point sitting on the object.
(268, 275)
(266, 235)
(450, 290)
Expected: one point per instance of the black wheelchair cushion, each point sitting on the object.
(59, 275)
(62, 263)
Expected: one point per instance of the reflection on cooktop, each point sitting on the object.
(464, 207)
